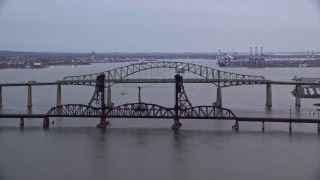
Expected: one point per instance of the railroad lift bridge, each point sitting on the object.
(183, 108)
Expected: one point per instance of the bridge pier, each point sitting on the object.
(269, 95)
(290, 126)
(0, 96)
(298, 92)
(103, 122)
(59, 95)
(29, 96)
(219, 96)
(46, 122)
(263, 126)
(178, 89)
(318, 128)
(109, 102)
(21, 122)
(176, 124)
(236, 126)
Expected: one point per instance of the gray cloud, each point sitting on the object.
(1, 5)
(153, 25)
(317, 4)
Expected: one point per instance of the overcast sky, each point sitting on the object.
(159, 25)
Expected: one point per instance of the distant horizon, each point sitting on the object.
(212, 52)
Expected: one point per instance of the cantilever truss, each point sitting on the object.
(211, 75)
(141, 110)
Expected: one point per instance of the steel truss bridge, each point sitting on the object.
(141, 110)
(183, 108)
(205, 74)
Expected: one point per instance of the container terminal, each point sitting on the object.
(261, 60)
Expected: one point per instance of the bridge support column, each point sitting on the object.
(176, 123)
(21, 122)
(46, 122)
(219, 96)
(262, 125)
(269, 95)
(29, 96)
(290, 126)
(109, 102)
(236, 126)
(59, 95)
(0, 96)
(318, 128)
(103, 122)
(298, 93)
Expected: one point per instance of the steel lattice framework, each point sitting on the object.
(181, 110)
(141, 110)
(182, 97)
(98, 96)
(120, 75)
(74, 110)
(207, 112)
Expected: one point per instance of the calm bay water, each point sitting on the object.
(147, 148)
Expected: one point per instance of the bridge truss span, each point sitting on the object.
(74, 110)
(145, 110)
(140, 110)
(207, 112)
(122, 73)
(181, 110)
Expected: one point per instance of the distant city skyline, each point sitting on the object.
(116, 26)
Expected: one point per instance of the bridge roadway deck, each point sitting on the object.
(156, 80)
(293, 120)
(22, 115)
(245, 119)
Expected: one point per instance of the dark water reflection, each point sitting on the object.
(133, 153)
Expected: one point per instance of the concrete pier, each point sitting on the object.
(103, 122)
(269, 95)
(0, 96)
(29, 95)
(59, 95)
(109, 103)
(176, 124)
(21, 122)
(219, 96)
(46, 122)
(298, 91)
(236, 125)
